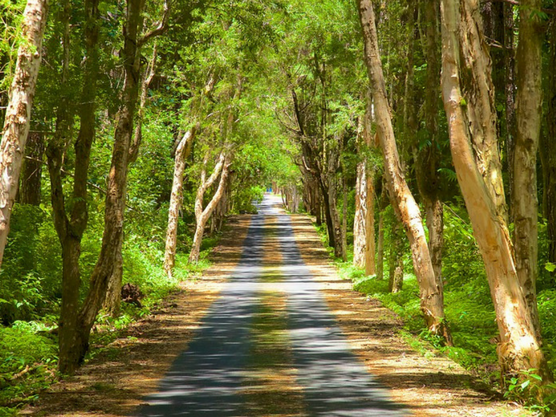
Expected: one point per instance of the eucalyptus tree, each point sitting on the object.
(18, 112)
(432, 304)
(469, 103)
(528, 129)
(364, 242)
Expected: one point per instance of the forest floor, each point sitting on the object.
(118, 381)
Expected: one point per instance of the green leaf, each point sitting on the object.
(550, 267)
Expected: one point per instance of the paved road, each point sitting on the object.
(208, 379)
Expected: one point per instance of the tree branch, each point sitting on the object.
(162, 26)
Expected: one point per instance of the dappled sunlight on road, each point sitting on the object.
(209, 378)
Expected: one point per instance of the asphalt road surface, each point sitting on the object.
(208, 379)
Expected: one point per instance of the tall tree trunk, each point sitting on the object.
(478, 176)
(359, 226)
(344, 200)
(405, 205)
(18, 113)
(31, 176)
(318, 203)
(395, 261)
(529, 117)
(380, 248)
(428, 180)
(113, 297)
(335, 216)
(182, 152)
(115, 198)
(202, 215)
(344, 216)
(364, 248)
(71, 225)
(370, 245)
(510, 90)
(549, 150)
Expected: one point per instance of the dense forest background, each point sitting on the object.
(420, 135)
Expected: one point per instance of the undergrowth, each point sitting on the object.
(28, 348)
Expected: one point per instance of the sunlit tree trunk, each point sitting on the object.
(472, 122)
(404, 203)
(182, 152)
(360, 215)
(202, 215)
(395, 262)
(364, 247)
(18, 113)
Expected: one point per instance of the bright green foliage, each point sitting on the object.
(11, 15)
(26, 350)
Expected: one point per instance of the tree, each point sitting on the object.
(548, 156)
(70, 221)
(364, 222)
(426, 160)
(78, 337)
(528, 117)
(182, 152)
(18, 113)
(113, 292)
(472, 125)
(31, 173)
(202, 215)
(405, 205)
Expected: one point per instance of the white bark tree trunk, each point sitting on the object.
(360, 216)
(201, 215)
(18, 113)
(182, 152)
(432, 303)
